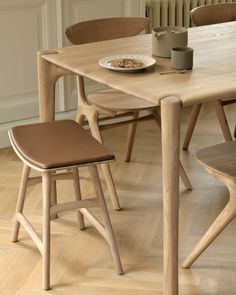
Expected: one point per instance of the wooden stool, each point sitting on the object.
(219, 161)
(48, 148)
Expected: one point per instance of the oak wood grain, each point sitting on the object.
(213, 75)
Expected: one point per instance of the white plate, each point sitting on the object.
(147, 61)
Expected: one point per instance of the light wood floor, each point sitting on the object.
(81, 262)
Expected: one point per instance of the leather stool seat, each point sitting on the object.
(57, 144)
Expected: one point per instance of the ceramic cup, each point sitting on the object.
(165, 38)
(182, 58)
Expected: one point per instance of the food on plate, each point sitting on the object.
(125, 63)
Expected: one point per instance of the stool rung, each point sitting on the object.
(92, 202)
(34, 180)
(99, 226)
(60, 176)
(30, 230)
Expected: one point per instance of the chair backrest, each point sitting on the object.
(213, 14)
(105, 29)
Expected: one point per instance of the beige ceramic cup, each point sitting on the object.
(182, 58)
(165, 38)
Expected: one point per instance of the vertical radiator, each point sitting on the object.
(174, 12)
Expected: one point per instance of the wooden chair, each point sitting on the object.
(112, 103)
(51, 148)
(219, 161)
(207, 15)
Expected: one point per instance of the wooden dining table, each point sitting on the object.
(213, 77)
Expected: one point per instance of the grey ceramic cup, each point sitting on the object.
(182, 58)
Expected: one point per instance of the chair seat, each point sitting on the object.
(117, 101)
(57, 144)
(221, 158)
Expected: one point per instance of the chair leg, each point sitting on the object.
(88, 111)
(130, 137)
(54, 197)
(182, 173)
(78, 196)
(222, 119)
(184, 177)
(235, 131)
(191, 125)
(108, 226)
(20, 201)
(228, 213)
(46, 184)
(93, 124)
(79, 117)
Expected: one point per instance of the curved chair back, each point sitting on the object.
(105, 29)
(213, 14)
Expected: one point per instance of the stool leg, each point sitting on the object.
(131, 136)
(108, 227)
(46, 183)
(216, 228)
(78, 196)
(20, 201)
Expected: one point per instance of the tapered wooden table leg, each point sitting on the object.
(170, 119)
(48, 74)
(46, 86)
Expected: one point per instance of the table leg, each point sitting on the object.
(46, 87)
(170, 120)
(48, 74)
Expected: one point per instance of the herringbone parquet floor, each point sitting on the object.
(81, 262)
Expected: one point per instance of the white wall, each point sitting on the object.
(27, 26)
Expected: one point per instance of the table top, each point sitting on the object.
(213, 75)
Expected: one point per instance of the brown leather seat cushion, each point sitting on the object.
(57, 144)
